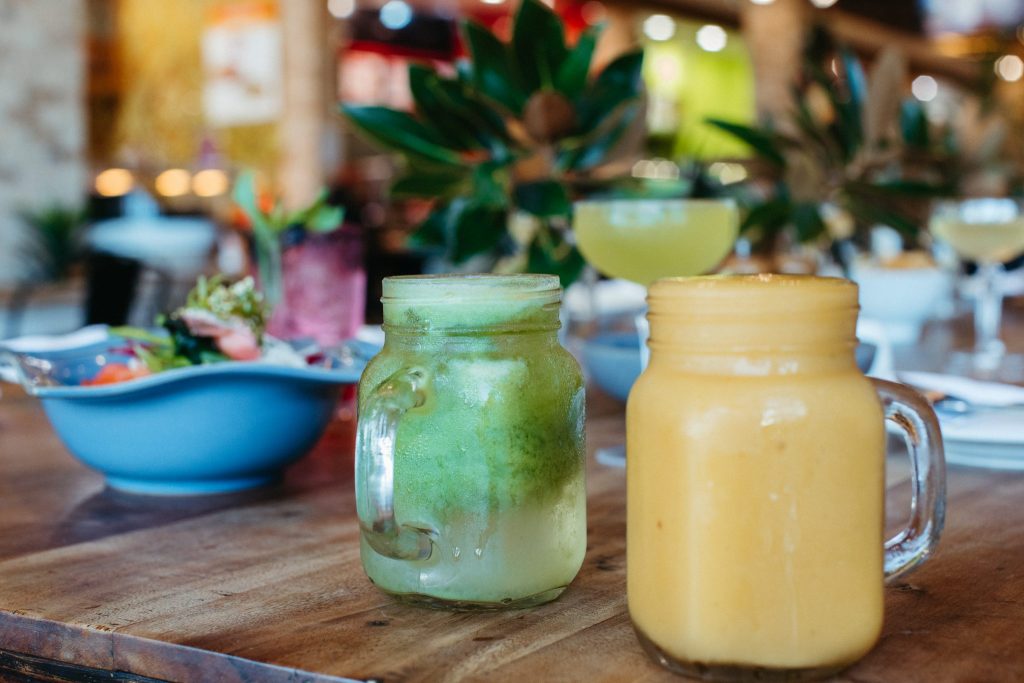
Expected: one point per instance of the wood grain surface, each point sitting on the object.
(267, 586)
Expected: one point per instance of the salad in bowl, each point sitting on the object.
(205, 403)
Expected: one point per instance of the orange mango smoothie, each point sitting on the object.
(755, 456)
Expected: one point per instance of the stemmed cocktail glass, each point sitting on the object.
(988, 231)
(643, 240)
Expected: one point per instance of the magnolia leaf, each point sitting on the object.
(765, 144)
(538, 43)
(430, 183)
(490, 185)
(432, 231)
(771, 216)
(551, 255)
(593, 152)
(544, 198)
(490, 68)
(571, 78)
(432, 107)
(473, 229)
(807, 222)
(617, 83)
(478, 117)
(401, 132)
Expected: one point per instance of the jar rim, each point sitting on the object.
(752, 297)
(619, 202)
(470, 288)
(760, 285)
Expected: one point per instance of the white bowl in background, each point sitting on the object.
(901, 298)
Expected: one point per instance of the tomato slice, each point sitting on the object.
(114, 373)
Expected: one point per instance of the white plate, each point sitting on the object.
(990, 455)
(992, 437)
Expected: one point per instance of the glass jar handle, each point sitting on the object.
(375, 467)
(914, 416)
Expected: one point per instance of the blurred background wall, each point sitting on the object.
(42, 110)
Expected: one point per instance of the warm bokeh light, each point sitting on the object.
(114, 182)
(173, 182)
(823, 4)
(1010, 68)
(727, 173)
(924, 88)
(493, 2)
(762, 2)
(210, 183)
(342, 9)
(712, 38)
(659, 27)
(656, 169)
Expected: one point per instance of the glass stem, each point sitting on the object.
(988, 312)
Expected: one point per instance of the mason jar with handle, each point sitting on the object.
(756, 481)
(469, 452)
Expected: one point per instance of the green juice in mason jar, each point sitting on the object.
(470, 454)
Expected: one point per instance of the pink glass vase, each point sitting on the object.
(323, 288)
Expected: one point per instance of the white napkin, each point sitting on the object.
(86, 336)
(999, 418)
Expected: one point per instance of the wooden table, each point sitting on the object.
(267, 586)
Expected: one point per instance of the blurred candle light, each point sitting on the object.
(924, 88)
(210, 183)
(727, 173)
(711, 38)
(659, 27)
(174, 182)
(341, 9)
(823, 4)
(395, 14)
(114, 182)
(1010, 68)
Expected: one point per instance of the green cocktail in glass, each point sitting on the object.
(470, 454)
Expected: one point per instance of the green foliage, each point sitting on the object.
(51, 246)
(837, 157)
(518, 128)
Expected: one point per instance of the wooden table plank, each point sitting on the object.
(267, 586)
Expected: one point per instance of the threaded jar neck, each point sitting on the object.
(484, 304)
(754, 324)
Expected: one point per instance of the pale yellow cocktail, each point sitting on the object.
(646, 239)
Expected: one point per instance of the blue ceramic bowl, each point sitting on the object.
(613, 361)
(196, 430)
